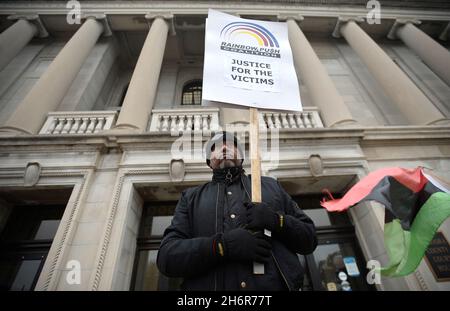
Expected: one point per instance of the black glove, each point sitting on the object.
(243, 245)
(260, 216)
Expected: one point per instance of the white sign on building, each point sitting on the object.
(248, 63)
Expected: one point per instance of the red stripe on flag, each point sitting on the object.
(413, 179)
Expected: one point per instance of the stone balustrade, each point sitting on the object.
(308, 118)
(180, 120)
(78, 122)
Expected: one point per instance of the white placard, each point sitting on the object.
(248, 63)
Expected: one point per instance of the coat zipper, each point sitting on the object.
(245, 188)
(217, 202)
(281, 272)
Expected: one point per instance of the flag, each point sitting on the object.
(416, 203)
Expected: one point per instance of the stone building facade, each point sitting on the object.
(90, 110)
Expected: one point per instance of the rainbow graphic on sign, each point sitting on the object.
(263, 36)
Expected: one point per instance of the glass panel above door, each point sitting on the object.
(340, 267)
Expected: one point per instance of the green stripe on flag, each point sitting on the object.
(407, 248)
(395, 242)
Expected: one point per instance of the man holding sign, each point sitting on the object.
(237, 232)
(217, 233)
(249, 63)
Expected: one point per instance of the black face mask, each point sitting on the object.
(227, 174)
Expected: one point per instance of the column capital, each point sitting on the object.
(342, 20)
(400, 22)
(444, 34)
(287, 16)
(34, 19)
(167, 16)
(102, 18)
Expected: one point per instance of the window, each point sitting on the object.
(192, 93)
(337, 264)
(156, 217)
(24, 244)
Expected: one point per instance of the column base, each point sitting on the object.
(13, 131)
(345, 123)
(123, 129)
(440, 122)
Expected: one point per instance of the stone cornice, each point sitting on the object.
(365, 136)
(406, 135)
(201, 8)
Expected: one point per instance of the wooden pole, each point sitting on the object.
(254, 156)
(258, 268)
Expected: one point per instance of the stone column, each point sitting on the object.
(414, 105)
(321, 88)
(432, 53)
(14, 39)
(52, 86)
(140, 97)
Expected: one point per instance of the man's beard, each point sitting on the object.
(227, 163)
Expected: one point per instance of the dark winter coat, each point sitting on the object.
(217, 207)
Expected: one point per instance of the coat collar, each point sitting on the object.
(227, 175)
